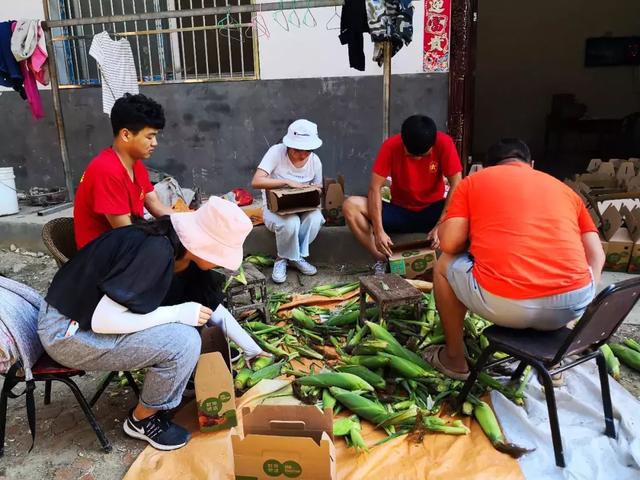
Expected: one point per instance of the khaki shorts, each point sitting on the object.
(546, 313)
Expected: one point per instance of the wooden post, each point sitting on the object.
(57, 105)
(386, 90)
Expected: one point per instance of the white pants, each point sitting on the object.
(294, 232)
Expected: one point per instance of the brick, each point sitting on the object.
(83, 464)
(65, 473)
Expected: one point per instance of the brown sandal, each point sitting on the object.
(432, 356)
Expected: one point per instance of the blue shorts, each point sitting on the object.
(545, 313)
(397, 219)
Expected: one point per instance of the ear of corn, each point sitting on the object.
(363, 372)
(631, 343)
(628, 356)
(405, 368)
(369, 361)
(490, 426)
(613, 364)
(262, 362)
(439, 425)
(394, 346)
(303, 319)
(266, 373)
(336, 379)
(342, 427)
(359, 405)
(241, 378)
(357, 441)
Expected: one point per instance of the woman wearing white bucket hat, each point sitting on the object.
(115, 306)
(292, 163)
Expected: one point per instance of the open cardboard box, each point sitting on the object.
(603, 177)
(632, 220)
(293, 200)
(285, 441)
(619, 241)
(410, 260)
(333, 189)
(215, 397)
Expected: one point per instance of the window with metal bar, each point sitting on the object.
(189, 49)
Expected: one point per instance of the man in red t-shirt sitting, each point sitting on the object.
(417, 160)
(115, 185)
(518, 248)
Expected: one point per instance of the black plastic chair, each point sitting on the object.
(544, 350)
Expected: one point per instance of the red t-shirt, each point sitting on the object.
(416, 183)
(106, 189)
(525, 230)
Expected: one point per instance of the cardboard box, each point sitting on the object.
(619, 241)
(293, 200)
(632, 220)
(215, 394)
(604, 177)
(412, 259)
(333, 191)
(283, 442)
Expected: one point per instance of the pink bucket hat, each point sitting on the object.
(215, 232)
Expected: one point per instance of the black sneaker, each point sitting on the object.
(158, 430)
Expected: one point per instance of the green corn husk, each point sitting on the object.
(267, 373)
(336, 291)
(491, 428)
(631, 343)
(342, 426)
(405, 368)
(256, 326)
(437, 424)
(308, 352)
(404, 405)
(353, 342)
(355, 433)
(262, 362)
(328, 401)
(259, 260)
(613, 364)
(303, 319)
(241, 378)
(404, 417)
(360, 405)
(278, 352)
(369, 361)
(394, 346)
(627, 355)
(349, 317)
(367, 375)
(370, 347)
(467, 408)
(347, 381)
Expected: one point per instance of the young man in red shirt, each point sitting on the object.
(115, 185)
(417, 160)
(518, 248)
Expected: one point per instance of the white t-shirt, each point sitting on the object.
(277, 164)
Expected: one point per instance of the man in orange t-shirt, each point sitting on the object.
(519, 249)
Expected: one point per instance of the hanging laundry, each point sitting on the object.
(117, 68)
(10, 74)
(353, 23)
(389, 20)
(29, 49)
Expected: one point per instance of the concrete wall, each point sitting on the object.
(216, 133)
(528, 51)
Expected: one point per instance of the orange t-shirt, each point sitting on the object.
(525, 231)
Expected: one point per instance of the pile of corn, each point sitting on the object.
(375, 371)
(628, 352)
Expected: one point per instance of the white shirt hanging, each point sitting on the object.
(117, 68)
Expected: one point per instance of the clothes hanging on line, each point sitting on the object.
(10, 74)
(29, 49)
(353, 24)
(389, 20)
(117, 68)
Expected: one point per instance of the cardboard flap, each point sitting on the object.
(607, 168)
(594, 164)
(296, 420)
(633, 184)
(625, 171)
(611, 222)
(632, 220)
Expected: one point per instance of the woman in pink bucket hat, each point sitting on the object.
(134, 297)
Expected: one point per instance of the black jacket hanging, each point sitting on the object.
(353, 24)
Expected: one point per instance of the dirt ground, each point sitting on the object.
(66, 447)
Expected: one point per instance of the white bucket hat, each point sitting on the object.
(302, 135)
(215, 232)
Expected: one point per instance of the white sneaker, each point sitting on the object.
(279, 274)
(305, 267)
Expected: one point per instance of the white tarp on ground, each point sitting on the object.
(589, 454)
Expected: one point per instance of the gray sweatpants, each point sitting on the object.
(170, 352)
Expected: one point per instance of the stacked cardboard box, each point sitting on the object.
(611, 192)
